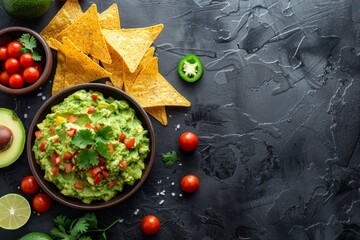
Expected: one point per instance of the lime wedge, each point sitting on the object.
(15, 211)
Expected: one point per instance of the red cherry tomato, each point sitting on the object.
(4, 78)
(189, 183)
(3, 54)
(12, 65)
(26, 60)
(31, 74)
(16, 80)
(188, 141)
(41, 202)
(29, 185)
(38, 66)
(150, 224)
(13, 49)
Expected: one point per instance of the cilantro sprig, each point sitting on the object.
(91, 145)
(78, 228)
(30, 46)
(169, 158)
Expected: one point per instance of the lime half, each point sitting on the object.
(15, 211)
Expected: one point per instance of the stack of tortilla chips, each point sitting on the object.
(92, 46)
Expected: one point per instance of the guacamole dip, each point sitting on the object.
(90, 146)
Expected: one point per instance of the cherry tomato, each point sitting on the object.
(29, 185)
(26, 60)
(3, 54)
(31, 74)
(41, 202)
(4, 78)
(150, 224)
(189, 183)
(16, 80)
(188, 141)
(38, 66)
(13, 49)
(12, 65)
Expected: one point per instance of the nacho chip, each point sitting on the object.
(159, 113)
(110, 18)
(154, 30)
(59, 78)
(128, 77)
(68, 13)
(77, 67)
(85, 33)
(116, 68)
(151, 89)
(132, 44)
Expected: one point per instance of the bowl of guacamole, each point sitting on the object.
(91, 146)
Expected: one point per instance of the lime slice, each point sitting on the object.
(15, 211)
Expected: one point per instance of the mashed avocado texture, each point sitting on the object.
(90, 146)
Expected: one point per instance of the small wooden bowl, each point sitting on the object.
(12, 33)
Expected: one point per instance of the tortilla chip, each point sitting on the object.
(159, 113)
(151, 89)
(59, 78)
(110, 18)
(68, 13)
(109, 83)
(116, 68)
(78, 67)
(154, 30)
(128, 77)
(132, 44)
(85, 33)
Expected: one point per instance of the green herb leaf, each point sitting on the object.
(57, 234)
(83, 138)
(103, 149)
(36, 56)
(81, 226)
(87, 158)
(170, 158)
(90, 219)
(62, 220)
(104, 134)
(29, 43)
(85, 238)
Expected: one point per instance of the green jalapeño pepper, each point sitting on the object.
(190, 68)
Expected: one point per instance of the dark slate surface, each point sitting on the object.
(277, 113)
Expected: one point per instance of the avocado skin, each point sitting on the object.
(26, 9)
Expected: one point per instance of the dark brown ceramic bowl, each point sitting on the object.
(12, 33)
(49, 187)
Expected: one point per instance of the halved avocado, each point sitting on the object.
(12, 137)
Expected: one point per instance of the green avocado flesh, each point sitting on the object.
(10, 120)
(26, 9)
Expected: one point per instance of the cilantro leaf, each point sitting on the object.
(81, 226)
(90, 219)
(170, 158)
(30, 44)
(36, 56)
(104, 134)
(85, 238)
(56, 233)
(83, 138)
(87, 158)
(62, 220)
(103, 149)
